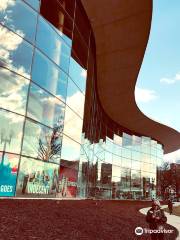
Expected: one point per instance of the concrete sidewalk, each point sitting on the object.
(171, 219)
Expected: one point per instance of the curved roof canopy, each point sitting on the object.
(121, 29)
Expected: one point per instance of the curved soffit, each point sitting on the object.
(121, 29)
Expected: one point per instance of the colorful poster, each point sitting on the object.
(8, 174)
(37, 178)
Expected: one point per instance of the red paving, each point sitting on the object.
(72, 220)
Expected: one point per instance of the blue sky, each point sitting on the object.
(158, 84)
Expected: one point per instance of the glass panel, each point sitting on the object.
(109, 145)
(136, 155)
(153, 151)
(70, 150)
(8, 174)
(126, 162)
(125, 179)
(127, 140)
(116, 171)
(136, 140)
(106, 173)
(51, 78)
(20, 18)
(11, 126)
(34, 3)
(42, 142)
(117, 149)
(145, 158)
(116, 160)
(78, 74)
(37, 178)
(15, 52)
(45, 108)
(146, 167)
(108, 157)
(117, 140)
(73, 125)
(136, 165)
(75, 98)
(68, 178)
(126, 153)
(135, 179)
(146, 140)
(146, 184)
(13, 91)
(52, 45)
(60, 19)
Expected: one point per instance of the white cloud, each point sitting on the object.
(172, 80)
(167, 80)
(172, 157)
(177, 77)
(73, 124)
(13, 90)
(9, 43)
(144, 95)
(4, 4)
(76, 102)
(84, 73)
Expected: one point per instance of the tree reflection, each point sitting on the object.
(51, 146)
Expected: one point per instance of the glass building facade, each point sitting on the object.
(55, 138)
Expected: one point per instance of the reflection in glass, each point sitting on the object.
(52, 44)
(33, 3)
(68, 178)
(126, 162)
(8, 173)
(42, 142)
(72, 125)
(116, 171)
(106, 173)
(126, 141)
(108, 157)
(116, 160)
(37, 178)
(136, 155)
(70, 150)
(125, 178)
(135, 179)
(11, 126)
(75, 98)
(78, 74)
(59, 19)
(15, 52)
(45, 108)
(126, 153)
(49, 76)
(136, 165)
(13, 91)
(20, 18)
(117, 140)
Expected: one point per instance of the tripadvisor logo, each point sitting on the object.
(139, 231)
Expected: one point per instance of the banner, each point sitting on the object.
(37, 178)
(8, 174)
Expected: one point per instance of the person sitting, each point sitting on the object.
(156, 219)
